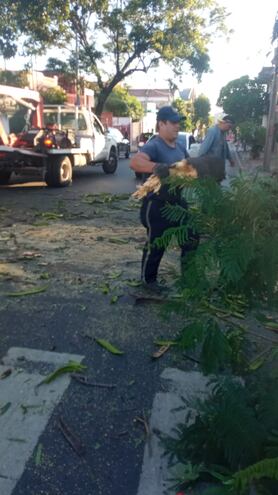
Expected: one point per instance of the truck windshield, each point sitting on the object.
(67, 120)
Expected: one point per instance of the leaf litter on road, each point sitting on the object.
(161, 351)
(5, 408)
(85, 381)
(39, 455)
(72, 438)
(109, 347)
(5, 374)
(23, 293)
(70, 367)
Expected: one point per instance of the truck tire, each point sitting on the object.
(110, 165)
(59, 171)
(4, 177)
(138, 175)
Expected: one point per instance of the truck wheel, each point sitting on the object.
(4, 177)
(138, 175)
(110, 165)
(59, 172)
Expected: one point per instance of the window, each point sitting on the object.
(98, 127)
(67, 120)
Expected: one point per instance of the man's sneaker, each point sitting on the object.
(155, 288)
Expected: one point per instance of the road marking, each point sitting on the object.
(29, 407)
(155, 474)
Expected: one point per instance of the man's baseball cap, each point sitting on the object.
(169, 113)
(228, 119)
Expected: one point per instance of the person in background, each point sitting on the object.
(191, 139)
(215, 143)
(156, 157)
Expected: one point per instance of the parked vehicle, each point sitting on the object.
(183, 138)
(143, 139)
(53, 139)
(123, 143)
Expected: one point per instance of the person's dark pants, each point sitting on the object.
(156, 224)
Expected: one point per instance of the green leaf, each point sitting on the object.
(105, 288)
(26, 292)
(114, 299)
(165, 342)
(114, 275)
(109, 347)
(38, 455)
(51, 215)
(71, 367)
(133, 283)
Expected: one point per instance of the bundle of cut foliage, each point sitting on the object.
(234, 269)
(230, 437)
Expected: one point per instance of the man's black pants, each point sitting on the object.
(156, 223)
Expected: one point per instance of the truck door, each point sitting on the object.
(99, 140)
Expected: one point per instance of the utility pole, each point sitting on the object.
(77, 89)
(271, 115)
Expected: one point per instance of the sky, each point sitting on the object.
(244, 54)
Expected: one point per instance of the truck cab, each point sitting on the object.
(53, 139)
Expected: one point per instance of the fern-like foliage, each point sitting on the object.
(267, 468)
(231, 431)
(239, 227)
(234, 268)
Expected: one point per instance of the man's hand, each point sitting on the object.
(161, 170)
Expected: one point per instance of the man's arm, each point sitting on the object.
(207, 143)
(141, 162)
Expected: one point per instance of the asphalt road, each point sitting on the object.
(86, 180)
(80, 247)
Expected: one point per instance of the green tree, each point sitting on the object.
(244, 99)
(8, 30)
(184, 108)
(122, 104)
(53, 96)
(201, 117)
(18, 79)
(62, 68)
(201, 110)
(253, 135)
(117, 39)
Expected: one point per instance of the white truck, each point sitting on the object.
(52, 139)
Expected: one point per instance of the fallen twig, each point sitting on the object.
(71, 437)
(5, 374)
(143, 420)
(84, 380)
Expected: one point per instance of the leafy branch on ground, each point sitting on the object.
(230, 436)
(234, 270)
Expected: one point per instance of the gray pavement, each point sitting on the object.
(28, 407)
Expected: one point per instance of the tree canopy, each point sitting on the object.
(115, 38)
(122, 104)
(201, 110)
(55, 96)
(244, 99)
(18, 79)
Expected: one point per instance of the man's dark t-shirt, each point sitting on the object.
(161, 152)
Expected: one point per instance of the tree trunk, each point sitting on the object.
(101, 99)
